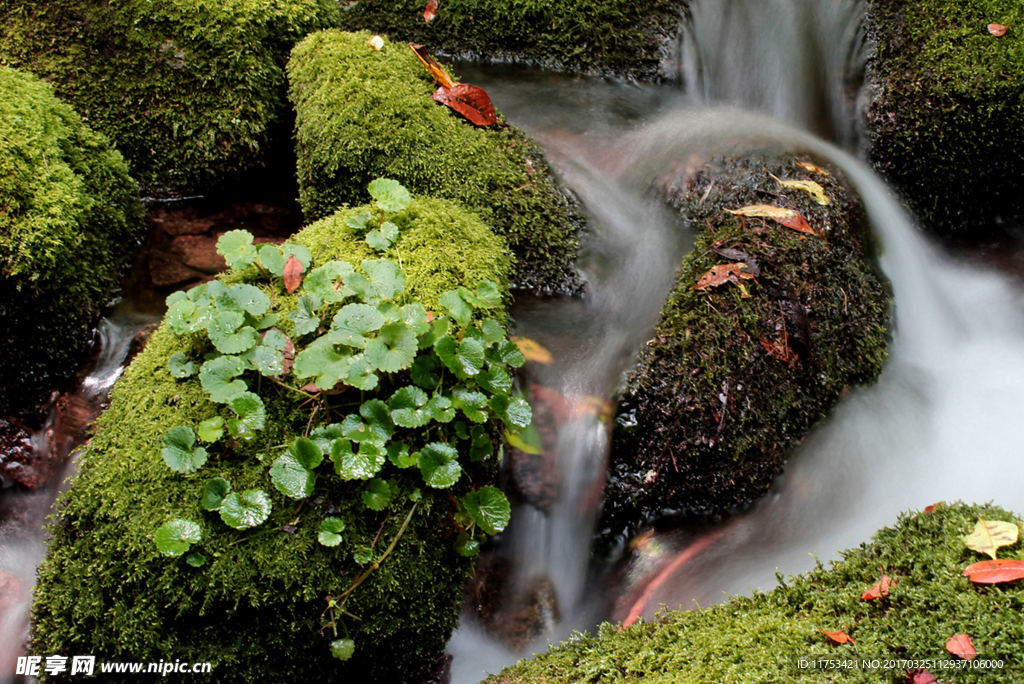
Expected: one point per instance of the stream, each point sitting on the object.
(941, 423)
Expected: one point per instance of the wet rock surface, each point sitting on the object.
(736, 374)
(19, 463)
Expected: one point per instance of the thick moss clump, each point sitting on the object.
(762, 638)
(363, 114)
(946, 117)
(189, 93)
(729, 383)
(615, 36)
(254, 609)
(69, 216)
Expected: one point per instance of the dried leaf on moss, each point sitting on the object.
(787, 217)
(810, 187)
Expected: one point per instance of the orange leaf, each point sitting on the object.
(470, 101)
(780, 349)
(929, 509)
(723, 273)
(786, 217)
(532, 350)
(813, 168)
(921, 677)
(838, 637)
(996, 29)
(435, 69)
(878, 589)
(995, 571)
(430, 11)
(961, 646)
(292, 274)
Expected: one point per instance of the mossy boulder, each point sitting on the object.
(69, 218)
(728, 383)
(190, 94)
(763, 638)
(363, 114)
(254, 609)
(607, 36)
(945, 116)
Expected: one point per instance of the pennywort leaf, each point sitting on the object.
(242, 510)
(489, 509)
(389, 195)
(214, 492)
(330, 531)
(180, 452)
(175, 537)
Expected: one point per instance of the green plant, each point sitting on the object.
(387, 388)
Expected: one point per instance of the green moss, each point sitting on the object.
(576, 35)
(69, 215)
(947, 112)
(190, 94)
(253, 610)
(708, 413)
(363, 114)
(761, 638)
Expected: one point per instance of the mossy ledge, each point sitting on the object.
(597, 36)
(69, 218)
(254, 609)
(190, 94)
(945, 116)
(762, 637)
(728, 384)
(363, 114)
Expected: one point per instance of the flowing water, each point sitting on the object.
(941, 423)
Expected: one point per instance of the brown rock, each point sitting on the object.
(199, 252)
(19, 461)
(166, 269)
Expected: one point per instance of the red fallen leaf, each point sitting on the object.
(995, 571)
(430, 11)
(878, 589)
(289, 355)
(786, 217)
(470, 101)
(961, 646)
(921, 677)
(311, 388)
(435, 69)
(930, 509)
(838, 637)
(724, 273)
(780, 349)
(996, 29)
(292, 274)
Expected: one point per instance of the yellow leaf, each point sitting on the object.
(813, 168)
(528, 441)
(990, 535)
(376, 42)
(533, 351)
(763, 211)
(810, 187)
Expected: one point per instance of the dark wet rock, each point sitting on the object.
(19, 462)
(944, 116)
(729, 383)
(511, 614)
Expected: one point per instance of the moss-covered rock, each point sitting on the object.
(729, 383)
(614, 36)
(189, 93)
(945, 120)
(764, 637)
(363, 114)
(69, 216)
(254, 609)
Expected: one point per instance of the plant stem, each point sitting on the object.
(343, 597)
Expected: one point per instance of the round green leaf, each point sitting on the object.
(495, 381)
(329, 282)
(441, 409)
(250, 299)
(242, 510)
(393, 349)
(300, 252)
(330, 531)
(472, 404)
(180, 453)
(360, 465)
(466, 545)
(398, 454)
(439, 465)
(271, 259)
(267, 360)
(360, 374)
(405, 405)
(470, 356)
(195, 559)
(211, 429)
(237, 342)
(217, 378)
(386, 278)
(307, 452)
(492, 331)
(250, 410)
(342, 649)
(352, 322)
(237, 249)
(175, 537)
(508, 353)
(305, 316)
(489, 509)
(180, 366)
(390, 195)
(291, 478)
(360, 222)
(377, 494)
(456, 306)
(362, 555)
(214, 492)
(518, 413)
